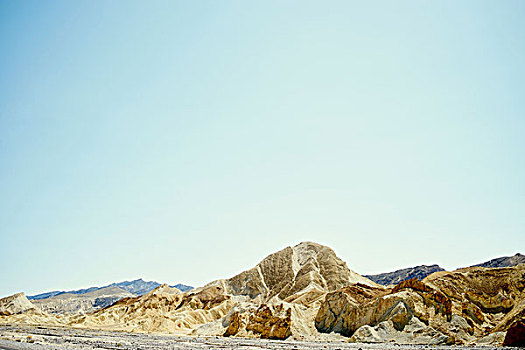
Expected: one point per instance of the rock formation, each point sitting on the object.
(306, 266)
(275, 299)
(15, 304)
(87, 300)
(460, 307)
(307, 292)
(265, 322)
(340, 309)
(164, 309)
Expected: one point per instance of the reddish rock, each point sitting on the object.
(516, 334)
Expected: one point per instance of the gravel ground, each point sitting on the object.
(18, 338)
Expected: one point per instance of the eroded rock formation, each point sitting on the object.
(291, 271)
(264, 322)
(15, 304)
(305, 291)
(445, 308)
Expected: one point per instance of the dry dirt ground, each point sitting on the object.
(18, 338)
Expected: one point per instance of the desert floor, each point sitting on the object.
(21, 337)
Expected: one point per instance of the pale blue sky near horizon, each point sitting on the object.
(183, 141)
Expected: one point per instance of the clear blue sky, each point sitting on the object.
(183, 141)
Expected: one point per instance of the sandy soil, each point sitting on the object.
(17, 338)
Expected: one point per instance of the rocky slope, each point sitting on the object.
(307, 292)
(276, 298)
(15, 304)
(305, 267)
(422, 271)
(67, 303)
(393, 278)
(504, 261)
(460, 307)
(94, 298)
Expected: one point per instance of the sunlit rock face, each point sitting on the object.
(265, 322)
(306, 292)
(460, 307)
(15, 304)
(293, 270)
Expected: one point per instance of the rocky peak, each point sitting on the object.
(164, 289)
(15, 304)
(306, 266)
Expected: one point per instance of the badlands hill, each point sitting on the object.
(307, 292)
(274, 299)
(395, 277)
(15, 304)
(294, 270)
(460, 307)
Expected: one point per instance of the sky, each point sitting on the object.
(184, 141)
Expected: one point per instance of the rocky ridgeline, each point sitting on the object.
(136, 287)
(293, 270)
(15, 304)
(422, 271)
(505, 261)
(395, 277)
(68, 303)
(306, 292)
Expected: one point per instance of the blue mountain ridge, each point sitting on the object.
(138, 287)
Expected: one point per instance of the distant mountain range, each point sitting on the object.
(397, 276)
(137, 287)
(423, 271)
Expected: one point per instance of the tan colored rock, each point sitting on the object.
(205, 299)
(162, 310)
(292, 271)
(386, 313)
(341, 310)
(234, 324)
(432, 297)
(15, 304)
(269, 326)
(306, 289)
(473, 312)
(458, 307)
(267, 322)
(491, 298)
